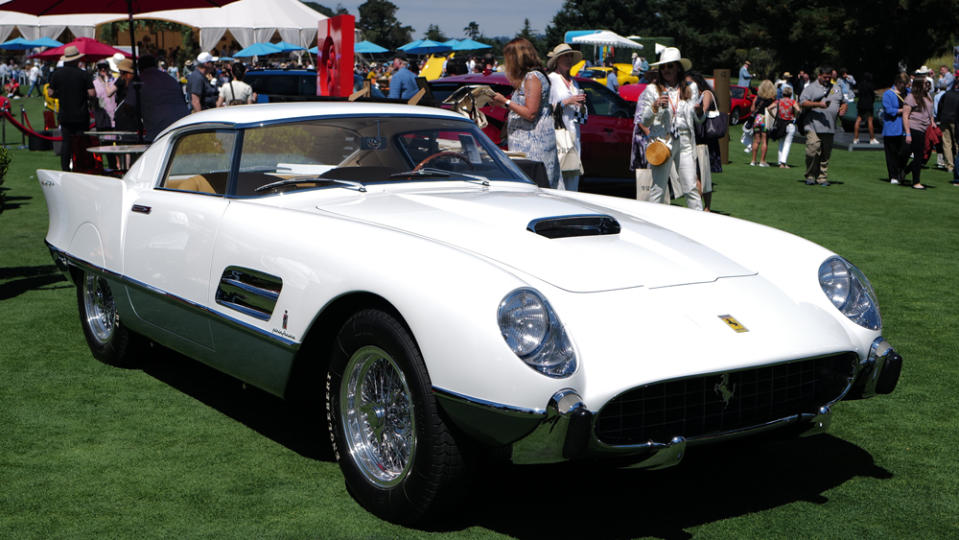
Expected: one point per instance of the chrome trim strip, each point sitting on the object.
(265, 293)
(245, 310)
(259, 332)
(491, 404)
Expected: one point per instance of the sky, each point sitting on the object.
(494, 17)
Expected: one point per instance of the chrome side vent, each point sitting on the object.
(248, 291)
(572, 226)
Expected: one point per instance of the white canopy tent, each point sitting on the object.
(606, 37)
(250, 21)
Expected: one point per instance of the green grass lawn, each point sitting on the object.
(177, 450)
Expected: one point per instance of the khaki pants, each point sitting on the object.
(818, 150)
(948, 144)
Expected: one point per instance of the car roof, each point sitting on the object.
(478, 78)
(270, 112)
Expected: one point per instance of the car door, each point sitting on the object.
(170, 236)
(606, 137)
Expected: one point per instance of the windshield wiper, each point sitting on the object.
(431, 171)
(314, 180)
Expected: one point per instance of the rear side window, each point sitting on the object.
(282, 84)
(200, 162)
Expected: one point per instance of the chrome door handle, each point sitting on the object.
(139, 208)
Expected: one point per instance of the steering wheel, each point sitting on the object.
(445, 153)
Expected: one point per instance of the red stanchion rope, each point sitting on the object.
(25, 129)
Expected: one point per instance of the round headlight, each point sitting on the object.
(524, 321)
(849, 290)
(533, 332)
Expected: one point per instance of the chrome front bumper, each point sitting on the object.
(564, 430)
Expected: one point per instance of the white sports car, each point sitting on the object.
(390, 261)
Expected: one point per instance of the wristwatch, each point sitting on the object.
(508, 101)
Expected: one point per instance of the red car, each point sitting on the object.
(606, 136)
(741, 101)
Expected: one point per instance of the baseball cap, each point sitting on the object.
(204, 57)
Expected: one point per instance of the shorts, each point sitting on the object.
(865, 112)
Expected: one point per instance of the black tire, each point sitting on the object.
(109, 340)
(734, 116)
(399, 459)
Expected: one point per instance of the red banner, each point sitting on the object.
(334, 59)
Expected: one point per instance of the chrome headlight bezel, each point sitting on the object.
(848, 289)
(534, 333)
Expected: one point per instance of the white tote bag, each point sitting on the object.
(569, 162)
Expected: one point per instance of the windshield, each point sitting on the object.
(367, 150)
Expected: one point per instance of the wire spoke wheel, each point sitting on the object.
(376, 409)
(99, 308)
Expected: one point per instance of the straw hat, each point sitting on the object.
(560, 50)
(672, 54)
(125, 65)
(71, 53)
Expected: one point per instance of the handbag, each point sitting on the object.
(569, 161)
(658, 152)
(714, 126)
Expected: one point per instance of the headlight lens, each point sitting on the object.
(534, 333)
(849, 290)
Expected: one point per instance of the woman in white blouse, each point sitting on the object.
(565, 93)
(668, 109)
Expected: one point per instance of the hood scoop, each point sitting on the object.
(574, 226)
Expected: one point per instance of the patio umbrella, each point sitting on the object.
(18, 44)
(91, 49)
(410, 44)
(470, 45)
(606, 38)
(285, 46)
(365, 47)
(427, 46)
(258, 49)
(44, 42)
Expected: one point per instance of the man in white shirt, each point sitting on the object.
(34, 77)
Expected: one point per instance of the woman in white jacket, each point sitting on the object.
(668, 109)
(566, 94)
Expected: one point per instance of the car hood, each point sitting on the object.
(494, 224)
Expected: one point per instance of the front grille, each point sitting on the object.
(723, 402)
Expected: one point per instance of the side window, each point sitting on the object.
(596, 102)
(200, 162)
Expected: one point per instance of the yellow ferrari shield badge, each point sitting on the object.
(733, 323)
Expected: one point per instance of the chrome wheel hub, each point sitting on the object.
(376, 411)
(99, 307)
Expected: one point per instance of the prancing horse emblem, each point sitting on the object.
(723, 390)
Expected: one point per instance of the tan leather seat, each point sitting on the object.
(194, 183)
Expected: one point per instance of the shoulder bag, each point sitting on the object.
(569, 162)
(657, 151)
(715, 125)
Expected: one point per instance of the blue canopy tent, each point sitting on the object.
(285, 46)
(426, 46)
(470, 45)
(368, 47)
(44, 42)
(18, 44)
(258, 49)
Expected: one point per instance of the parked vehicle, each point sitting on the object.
(606, 137)
(392, 263)
(741, 101)
(282, 85)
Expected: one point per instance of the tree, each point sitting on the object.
(434, 33)
(340, 10)
(472, 30)
(787, 35)
(530, 34)
(379, 24)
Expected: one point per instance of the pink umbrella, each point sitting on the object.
(91, 49)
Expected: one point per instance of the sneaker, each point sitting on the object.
(748, 149)
(825, 184)
(810, 182)
(752, 163)
(894, 182)
(764, 164)
(873, 141)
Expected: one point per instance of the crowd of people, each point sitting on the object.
(918, 111)
(918, 115)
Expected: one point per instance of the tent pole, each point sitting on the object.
(136, 73)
